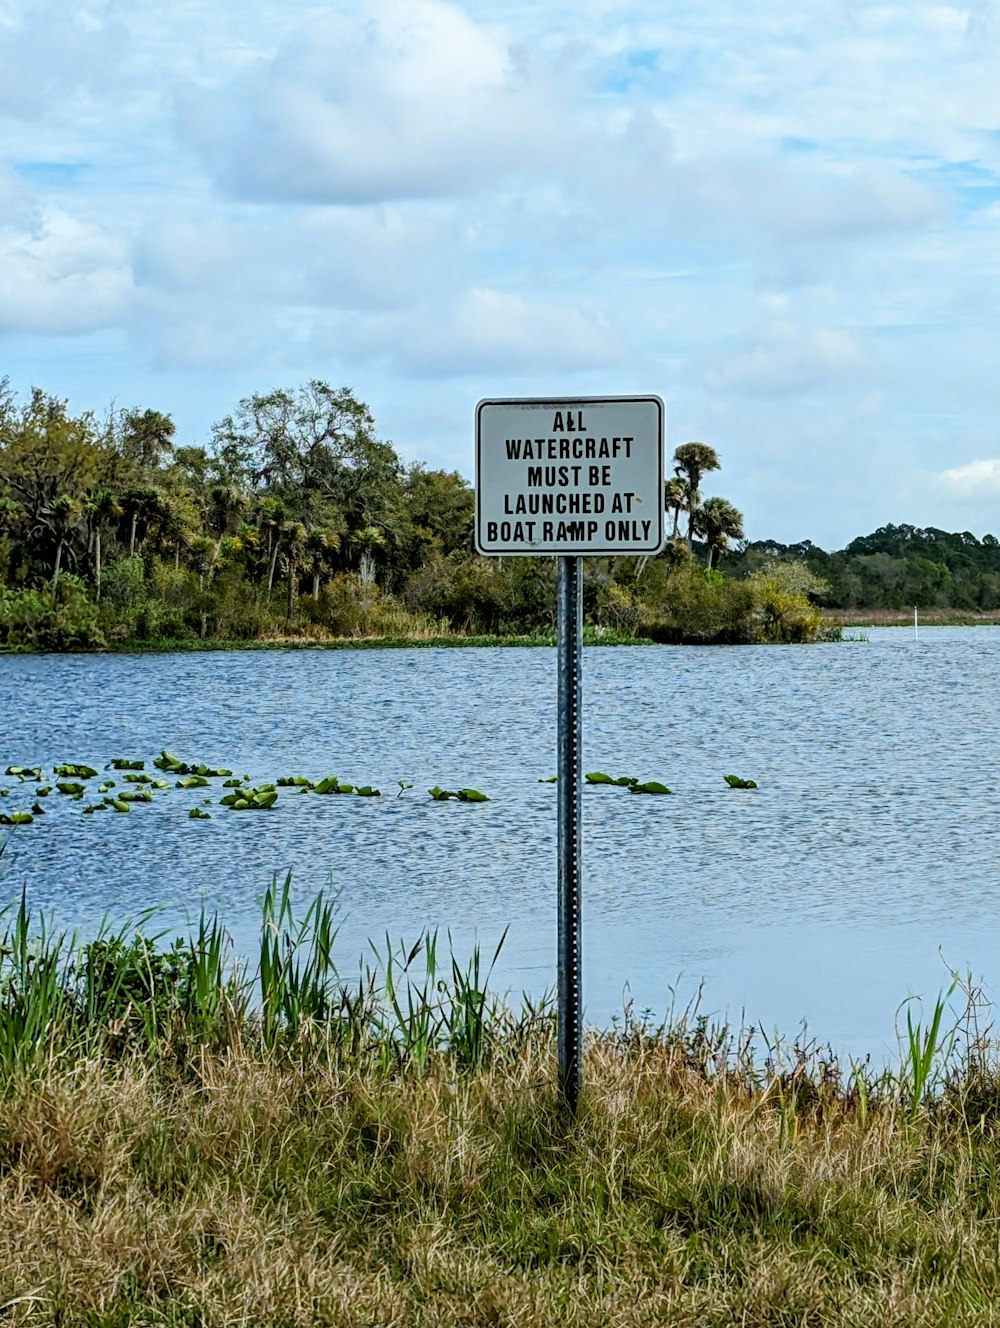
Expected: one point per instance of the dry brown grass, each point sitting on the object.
(253, 1189)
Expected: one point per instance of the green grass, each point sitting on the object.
(186, 1142)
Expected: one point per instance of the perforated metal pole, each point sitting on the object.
(570, 647)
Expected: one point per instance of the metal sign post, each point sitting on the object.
(569, 478)
(570, 730)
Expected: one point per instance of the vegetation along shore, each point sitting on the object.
(297, 522)
(185, 1141)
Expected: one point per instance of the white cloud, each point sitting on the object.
(490, 333)
(61, 275)
(976, 481)
(409, 99)
(52, 50)
(788, 361)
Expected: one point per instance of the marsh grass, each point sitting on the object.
(185, 1140)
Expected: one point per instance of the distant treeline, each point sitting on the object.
(893, 568)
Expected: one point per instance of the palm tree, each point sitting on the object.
(675, 496)
(65, 513)
(101, 507)
(293, 537)
(718, 521)
(318, 544)
(691, 462)
(367, 539)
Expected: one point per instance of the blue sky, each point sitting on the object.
(781, 219)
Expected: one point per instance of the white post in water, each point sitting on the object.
(915, 636)
(568, 478)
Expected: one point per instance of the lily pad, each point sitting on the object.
(650, 786)
(366, 791)
(471, 795)
(598, 777)
(75, 771)
(24, 771)
(123, 763)
(196, 814)
(71, 789)
(192, 781)
(734, 781)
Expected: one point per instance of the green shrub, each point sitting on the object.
(39, 620)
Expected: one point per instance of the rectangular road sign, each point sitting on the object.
(569, 475)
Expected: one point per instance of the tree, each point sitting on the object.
(101, 508)
(144, 441)
(675, 498)
(315, 448)
(49, 461)
(692, 461)
(717, 521)
(293, 539)
(318, 545)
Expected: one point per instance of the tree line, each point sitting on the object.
(296, 519)
(895, 567)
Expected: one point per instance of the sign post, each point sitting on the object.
(570, 845)
(570, 478)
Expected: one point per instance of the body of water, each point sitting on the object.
(864, 866)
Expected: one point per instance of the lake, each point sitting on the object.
(865, 865)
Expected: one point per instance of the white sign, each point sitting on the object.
(574, 475)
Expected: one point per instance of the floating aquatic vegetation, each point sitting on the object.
(44, 791)
(106, 786)
(366, 791)
(192, 781)
(598, 777)
(734, 781)
(175, 766)
(71, 789)
(24, 772)
(118, 804)
(95, 807)
(196, 814)
(136, 795)
(37, 809)
(294, 781)
(460, 795)
(251, 799)
(136, 779)
(332, 785)
(552, 779)
(123, 763)
(73, 771)
(651, 786)
(16, 818)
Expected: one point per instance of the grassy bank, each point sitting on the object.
(904, 618)
(185, 1145)
(592, 636)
